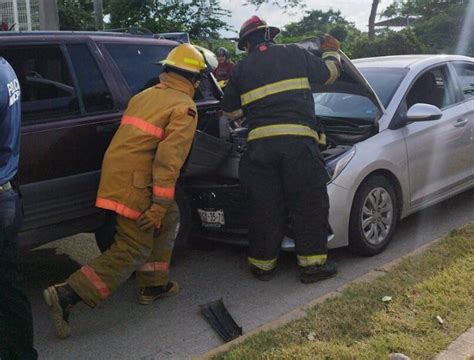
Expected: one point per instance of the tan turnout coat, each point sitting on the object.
(148, 150)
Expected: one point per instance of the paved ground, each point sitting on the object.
(173, 328)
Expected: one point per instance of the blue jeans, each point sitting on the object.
(16, 325)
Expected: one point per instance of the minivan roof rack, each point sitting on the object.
(182, 37)
(114, 33)
(132, 30)
(65, 32)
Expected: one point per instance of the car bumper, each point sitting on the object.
(236, 233)
(340, 201)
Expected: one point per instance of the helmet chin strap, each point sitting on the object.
(267, 34)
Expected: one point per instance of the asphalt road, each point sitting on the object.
(173, 328)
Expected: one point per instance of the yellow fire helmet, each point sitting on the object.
(185, 57)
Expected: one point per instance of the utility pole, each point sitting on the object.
(99, 15)
(48, 11)
(16, 21)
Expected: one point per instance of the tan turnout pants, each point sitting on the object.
(148, 253)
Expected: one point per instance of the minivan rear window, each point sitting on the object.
(138, 63)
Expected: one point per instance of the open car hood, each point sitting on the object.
(351, 80)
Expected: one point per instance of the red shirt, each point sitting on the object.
(223, 70)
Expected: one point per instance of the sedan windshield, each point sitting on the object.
(384, 81)
(344, 105)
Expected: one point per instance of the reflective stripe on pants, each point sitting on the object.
(131, 249)
(265, 265)
(311, 260)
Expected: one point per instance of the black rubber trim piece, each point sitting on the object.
(221, 321)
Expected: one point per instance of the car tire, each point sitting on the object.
(374, 216)
(104, 236)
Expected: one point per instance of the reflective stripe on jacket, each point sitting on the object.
(144, 159)
(272, 85)
(283, 130)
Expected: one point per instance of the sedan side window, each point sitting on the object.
(432, 87)
(46, 85)
(465, 74)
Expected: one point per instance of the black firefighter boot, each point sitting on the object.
(61, 298)
(151, 293)
(313, 273)
(262, 275)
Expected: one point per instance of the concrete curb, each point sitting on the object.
(301, 311)
(461, 349)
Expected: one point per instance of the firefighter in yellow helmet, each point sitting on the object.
(139, 174)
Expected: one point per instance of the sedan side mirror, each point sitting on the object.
(423, 112)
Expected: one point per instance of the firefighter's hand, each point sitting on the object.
(152, 217)
(222, 84)
(330, 43)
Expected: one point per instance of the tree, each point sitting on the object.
(76, 15)
(284, 4)
(390, 43)
(438, 24)
(200, 19)
(373, 15)
(316, 23)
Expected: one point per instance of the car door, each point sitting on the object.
(464, 72)
(437, 150)
(66, 107)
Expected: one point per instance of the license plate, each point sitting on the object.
(212, 218)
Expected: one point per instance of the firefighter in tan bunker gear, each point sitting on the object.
(138, 179)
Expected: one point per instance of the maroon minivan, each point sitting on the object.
(75, 86)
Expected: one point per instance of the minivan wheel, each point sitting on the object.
(104, 236)
(374, 216)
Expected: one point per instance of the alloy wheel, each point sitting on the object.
(377, 215)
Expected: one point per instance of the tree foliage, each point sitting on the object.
(199, 19)
(284, 4)
(438, 24)
(390, 43)
(76, 15)
(317, 23)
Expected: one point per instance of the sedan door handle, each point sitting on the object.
(460, 122)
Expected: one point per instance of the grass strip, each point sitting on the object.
(432, 304)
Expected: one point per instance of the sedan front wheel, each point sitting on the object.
(374, 216)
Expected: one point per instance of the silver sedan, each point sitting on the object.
(399, 138)
(420, 153)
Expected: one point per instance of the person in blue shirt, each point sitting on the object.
(16, 325)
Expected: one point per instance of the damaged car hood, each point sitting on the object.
(351, 80)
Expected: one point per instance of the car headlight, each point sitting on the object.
(335, 166)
